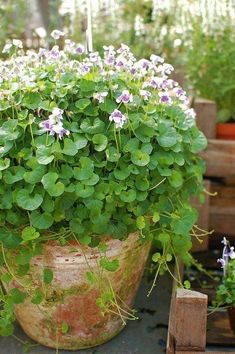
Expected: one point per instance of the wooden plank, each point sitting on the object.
(222, 209)
(219, 330)
(196, 352)
(220, 158)
(187, 334)
(206, 116)
(203, 220)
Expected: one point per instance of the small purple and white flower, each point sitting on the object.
(100, 96)
(80, 49)
(53, 125)
(155, 59)
(56, 34)
(145, 94)
(125, 97)
(222, 262)
(165, 98)
(118, 118)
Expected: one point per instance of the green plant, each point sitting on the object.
(225, 293)
(211, 65)
(13, 19)
(92, 146)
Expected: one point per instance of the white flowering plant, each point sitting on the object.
(92, 146)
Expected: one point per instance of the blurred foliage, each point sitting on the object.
(13, 19)
(210, 59)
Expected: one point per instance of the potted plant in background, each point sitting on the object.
(98, 157)
(210, 66)
(225, 294)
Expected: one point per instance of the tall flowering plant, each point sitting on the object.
(90, 146)
(225, 294)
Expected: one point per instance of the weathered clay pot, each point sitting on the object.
(71, 298)
(231, 313)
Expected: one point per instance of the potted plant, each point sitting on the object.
(210, 67)
(225, 294)
(98, 157)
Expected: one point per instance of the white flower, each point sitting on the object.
(17, 43)
(56, 34)
(7, 48)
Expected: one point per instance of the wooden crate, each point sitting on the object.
(206, 116)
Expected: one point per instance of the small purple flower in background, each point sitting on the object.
(54, 124)
(228, 253)
(118, 118)
(165, 69)
(80, 49)
(95, 58)
(56, 34)
(123, 49)
(145, 94)
(125, 97)
(155, 59)
(222, 262)
(165, 98)
(100, 96)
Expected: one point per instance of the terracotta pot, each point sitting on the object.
(225, 131)
(71, 298)
(231, 313)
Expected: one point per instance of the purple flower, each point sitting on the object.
(118, 118)
(56, 34)
(145, 94)
(123, 49)
(155, 59)
(165, 98)
(95, 58)
(100, 96)
(166, 69)
(54, 124)
(125, 97)
(80, 49)
(222, 262)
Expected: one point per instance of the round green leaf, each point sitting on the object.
(100, 141)
(49, 182)
(128, 196)
(41, 221)
(28, 201)
(140, 158)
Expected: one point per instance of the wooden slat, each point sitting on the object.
(222, 209)
(220, 158)
(187, 322)
(206, 116)
(193, 352)
(203, 220)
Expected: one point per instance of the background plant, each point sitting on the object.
(225, 294)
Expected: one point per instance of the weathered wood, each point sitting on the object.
(193, 352)
(220, 158)
(219, 329)
(187, 322)
(222, 209)
(203, 220)
(206, 116)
